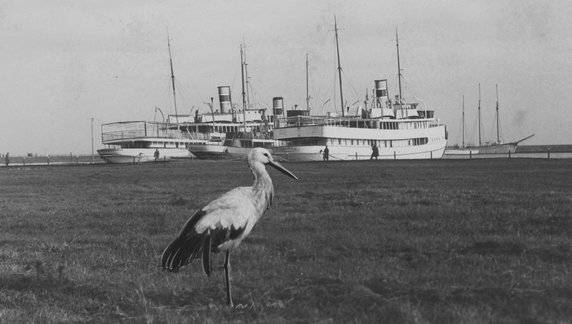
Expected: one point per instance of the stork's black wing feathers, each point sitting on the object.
(207, 255)
(186, 247)
(190, 245)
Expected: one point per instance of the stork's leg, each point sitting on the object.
(226, 274)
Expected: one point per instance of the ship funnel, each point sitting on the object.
(224, 99)
(381, 95)
(278, 106)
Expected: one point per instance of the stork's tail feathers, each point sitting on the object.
(188, 247)
(181, 252)
(207, 254)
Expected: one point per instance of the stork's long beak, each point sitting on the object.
(282, 169)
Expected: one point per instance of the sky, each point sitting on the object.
(68, 65)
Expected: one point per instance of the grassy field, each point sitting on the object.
(440, 241)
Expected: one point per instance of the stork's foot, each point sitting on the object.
(239, 306)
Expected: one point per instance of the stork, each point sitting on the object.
(226, 221)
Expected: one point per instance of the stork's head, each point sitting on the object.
(263, 156)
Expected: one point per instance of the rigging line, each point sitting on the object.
(257, 97)
(172, 77)
(235, 77)
(355, 93)
(406, 85)
(184, 104)
(471, 138)
(460, 134)
(348, 67)
(321, 90)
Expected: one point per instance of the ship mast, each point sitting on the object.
(398, 64)
(479, 114)
(339, 66)
(497, 110)
(463, 118)
(307, 86)
(172, 78)
(242, 70)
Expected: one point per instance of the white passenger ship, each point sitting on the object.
(231, 132)
(143, 141)
(394, 130)
(399, 131)
(228, 135)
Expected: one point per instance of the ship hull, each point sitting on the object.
(489, 149)
(209, 151)
(236, 149)
(220, 152)
(346, 143)
(315, 153)
(142, 155)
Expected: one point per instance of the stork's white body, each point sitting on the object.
(239, 208)
(226, 221)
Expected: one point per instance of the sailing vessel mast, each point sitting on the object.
(398, 64)
(497, 110)
(479, 114)
(172, 79)
(339, 66)
(463, 142)
(307, 87)
(242, 70)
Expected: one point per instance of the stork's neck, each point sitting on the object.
(262, 186)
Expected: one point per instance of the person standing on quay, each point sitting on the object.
(374, 152)
(156, 155)
(326, 153)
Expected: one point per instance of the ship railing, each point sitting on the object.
(252, 135)
(355, 122)
(141, 129)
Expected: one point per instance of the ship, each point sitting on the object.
(497, 147)
(146, 141)
(383, 129)
(231, 132)
(228, 133)
(143, 141)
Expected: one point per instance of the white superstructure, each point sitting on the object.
(231, 132)
(398, 130)
(143, 141)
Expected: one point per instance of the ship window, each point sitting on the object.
(310, 141)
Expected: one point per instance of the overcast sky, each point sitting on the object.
(66, 62)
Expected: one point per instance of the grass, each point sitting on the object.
(442, 241)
